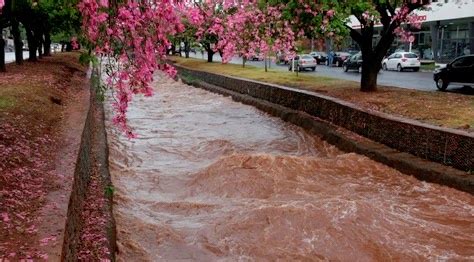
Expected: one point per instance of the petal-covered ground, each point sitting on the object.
(42, 111)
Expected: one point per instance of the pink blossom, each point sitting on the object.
(137, 38)
(330, 13)
(74, 43)
(5, 217)
(104, 3)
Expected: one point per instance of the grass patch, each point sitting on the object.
(438, 108)
(259, 74)
(29, 91)
(428, 67)
(6, 102)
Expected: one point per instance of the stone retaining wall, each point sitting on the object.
(92, 161)
(350, 142)
(442, 145)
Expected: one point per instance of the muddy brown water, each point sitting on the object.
(210, 179)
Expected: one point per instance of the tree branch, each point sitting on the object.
(355, 35)
(390, 8)
(385, 19)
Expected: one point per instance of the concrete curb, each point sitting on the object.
(350, 142)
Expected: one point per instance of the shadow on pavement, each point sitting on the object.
(465, 90)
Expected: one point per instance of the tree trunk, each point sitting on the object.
(47, 44)
(2, 52)
(265, 61)
(210, 52)
(244, 60)
(372, 57)
(371, 65)
(31, 45)
(18, 42)
(368, 82)
(187, 48)
(39, 43)
(40, 50)
(210, 55)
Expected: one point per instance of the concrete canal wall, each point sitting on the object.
(430, 153)
(91, 164)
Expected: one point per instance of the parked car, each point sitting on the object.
(353, 63)
(352, 51)
(303, 62)
(459, 71)
(400, 61)
(55, 47)
(255, 58)
(339, 59)
(320, 57)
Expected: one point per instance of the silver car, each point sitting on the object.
(302, 62)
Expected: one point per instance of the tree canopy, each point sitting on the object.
(138, 34)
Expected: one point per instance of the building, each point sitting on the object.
(447, 31)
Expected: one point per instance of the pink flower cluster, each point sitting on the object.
(135, 40)
(74, 43)
(253, 32)
(208, 17)
(404, 15)
(242, 28)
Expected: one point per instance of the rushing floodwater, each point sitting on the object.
(211, 179)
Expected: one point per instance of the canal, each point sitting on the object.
(211, 179)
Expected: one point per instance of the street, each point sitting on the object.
(410, 80)
(10, 56)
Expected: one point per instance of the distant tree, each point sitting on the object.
(41, 21)
(208, 17)
(255, 30)
(393, 15)
(64, 20)
(396, 18)
(330, 18)
(188, 36)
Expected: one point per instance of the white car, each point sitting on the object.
(302, 62)
(400, 61)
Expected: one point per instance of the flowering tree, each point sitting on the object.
(133, 36)
(209, 18)
(188, 35)
(254, 30)
(240, 36)
(392, 14)
(330, 19)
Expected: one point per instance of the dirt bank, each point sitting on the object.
(42, 112)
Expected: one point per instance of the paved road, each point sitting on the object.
(10, 56)
(410, 80)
